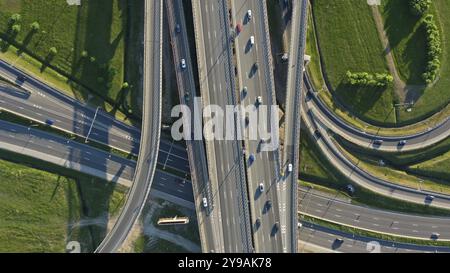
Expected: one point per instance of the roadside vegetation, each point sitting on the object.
(348, 41)
(419, 41)
(42, 211)
(82, 48)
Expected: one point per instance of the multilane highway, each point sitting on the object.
(225, 157)
(253, 83)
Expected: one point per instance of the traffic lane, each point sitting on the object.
(419, 140)
(326, 237)
(377, 220)
(54, 96)
(70, 151)
(261, 170)
(77, 122)
(173, 185)
(227, 179)
(362, 178)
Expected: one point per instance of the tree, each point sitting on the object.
(16, 28)
(35, 26)
(84, 54)
(125, 85)
(419, 7)
(15, 18)
(92, 59)
(53, 51)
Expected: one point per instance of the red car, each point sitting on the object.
(239, 28)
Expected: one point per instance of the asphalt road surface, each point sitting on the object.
(380, 221)
(292, 113)
(151, 128)
(315, 238)
(229, 199)
(258, 83)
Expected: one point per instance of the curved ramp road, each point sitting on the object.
(390, 144)
(151, 127)
(359, 176)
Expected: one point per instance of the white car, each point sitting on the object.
(259, 100)
(252, 40)
(183, 63)
(290, 167)
(205, 202)
(261, 187)
(299, 225)
(249, 14)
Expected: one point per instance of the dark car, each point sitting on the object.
(275, 228)
(49, 122)
(257, 223)
(350, 189)
(318, 134)
(177, 28)
(251, 159)
(20, 79)
(268, 205)
(378, 142)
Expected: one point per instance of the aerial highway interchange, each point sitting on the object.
(246, 200)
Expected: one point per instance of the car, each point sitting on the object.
(205, 202)
(261, 187)
(21, 79)
(268, 205)
(249, 14)
(238, 28)
(339, 241)
(247, 121)
(378, 142)
(259, 100)
(252, 40)
(350, 189)
(49, 122)
(258, 222)
(256, 66)
(318, 134)
(177, 28)
(275, 228)
(299, 225)
(244, 91)
(429, 198)
(183, 63)
(435, 236)
(402, 142)
(289, 167)
(251, 159)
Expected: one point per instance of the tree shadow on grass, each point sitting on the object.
(361, 101)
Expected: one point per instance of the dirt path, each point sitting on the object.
(399, 84)
(405, 93)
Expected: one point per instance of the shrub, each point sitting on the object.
(16, 28)
(15, 18)
(367, 79)
(434, 49)
(35, 26)
(419, 7)
(53, 51)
